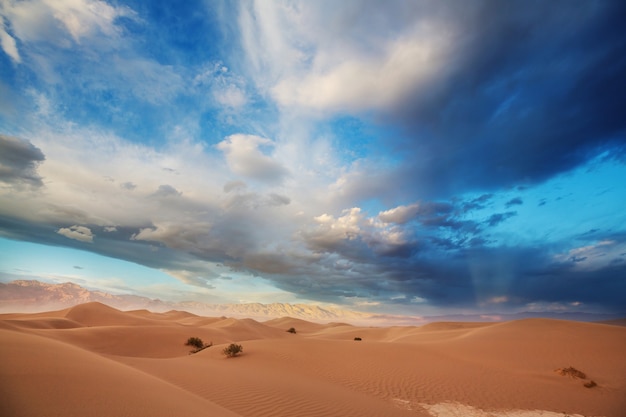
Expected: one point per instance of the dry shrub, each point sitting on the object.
(576, 374)
(590, 384)
(232, 350)
(571, 372)
(198, 344)
(195, 342)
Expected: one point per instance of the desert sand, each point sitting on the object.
(93, 360)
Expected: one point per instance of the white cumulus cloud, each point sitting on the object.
(80, 233)
(400, 214)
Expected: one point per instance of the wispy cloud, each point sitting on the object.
(51, 21)
(9, 45)
(244, 156)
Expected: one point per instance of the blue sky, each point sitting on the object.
(397, 157)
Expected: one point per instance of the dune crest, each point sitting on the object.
(97, 314)
(93, 360)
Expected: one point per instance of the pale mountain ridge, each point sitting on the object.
(273, 310)
(22, 296)
(36, 296)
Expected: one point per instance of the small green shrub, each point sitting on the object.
(292, 330)
(232, 350)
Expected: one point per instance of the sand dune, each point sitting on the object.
(98, 314)
(168, 315)
(298, 324)
(243, 329)
(94, 360)
(43, 377)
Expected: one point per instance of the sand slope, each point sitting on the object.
(95, 360)
(43, 377)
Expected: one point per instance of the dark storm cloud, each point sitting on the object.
(491, 279)
(477, 203)
(602, 287)
(18, 162)
(537, 88)
(467, 274)
(118, 244)
(514, 202)
(496, 219)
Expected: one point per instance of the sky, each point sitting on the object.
(400, 157)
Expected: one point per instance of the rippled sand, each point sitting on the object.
(93, 360)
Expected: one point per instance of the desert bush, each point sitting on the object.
(571, 372)
(198, 344)
(232, 350)
(195, 342)
(590, 384)
(292, 330)
(358, 339)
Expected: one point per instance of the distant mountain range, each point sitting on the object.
(23, 296)
(35, 296)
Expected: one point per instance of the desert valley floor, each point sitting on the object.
(93, 360)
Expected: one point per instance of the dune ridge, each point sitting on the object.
(92, 359)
